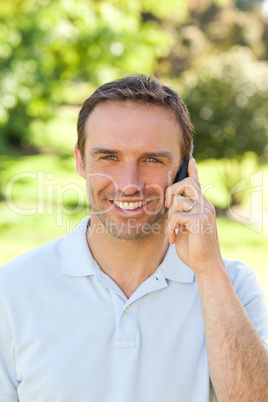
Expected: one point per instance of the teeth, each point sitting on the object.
(129, 205)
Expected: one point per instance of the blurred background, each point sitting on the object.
(53, 54)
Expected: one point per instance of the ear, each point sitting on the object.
(79, 162)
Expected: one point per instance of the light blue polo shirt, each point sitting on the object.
(69, 334)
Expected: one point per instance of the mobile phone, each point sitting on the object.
(183, 171)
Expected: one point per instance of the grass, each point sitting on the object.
(46, 199)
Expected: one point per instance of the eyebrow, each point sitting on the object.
(97, 151)
(161, 154)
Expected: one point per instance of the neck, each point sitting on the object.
(128, 263)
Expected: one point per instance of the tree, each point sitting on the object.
(47, 45)
(227, 96)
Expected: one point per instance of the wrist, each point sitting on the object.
(215, 281)
(210, 270)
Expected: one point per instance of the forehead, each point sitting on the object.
(133, 124)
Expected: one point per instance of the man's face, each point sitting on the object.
(132, 154)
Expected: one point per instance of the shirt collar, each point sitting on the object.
(77, 259)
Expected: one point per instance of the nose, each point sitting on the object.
(130, 180)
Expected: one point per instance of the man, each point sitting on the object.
(136, 304)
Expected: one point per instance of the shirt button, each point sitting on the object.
(128, 309)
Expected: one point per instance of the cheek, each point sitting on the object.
(160, 181)
(99, 181)
(157, 189)
(100, 176)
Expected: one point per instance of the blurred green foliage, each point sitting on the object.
(49, 186)
(55, 52)
(227, 95)
(214, 51)
(45, 46)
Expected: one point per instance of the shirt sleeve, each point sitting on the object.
(8, 382)
(251, 296)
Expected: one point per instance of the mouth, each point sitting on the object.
(130, 205)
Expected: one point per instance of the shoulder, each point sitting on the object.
(244, 281)
(250, 293)
(238, 270)
(242, 276)
(44, 263)
(44, 256)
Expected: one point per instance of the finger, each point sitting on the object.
(177, 219)
(193, 223)
(182, 204)
(187, 186)
(171, 234)
(193, 171)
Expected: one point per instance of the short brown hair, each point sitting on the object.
(141, 88)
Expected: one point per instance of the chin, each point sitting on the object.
(133, 232)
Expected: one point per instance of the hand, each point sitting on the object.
(196, 240)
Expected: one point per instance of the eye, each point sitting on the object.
(153, 160)
(109, 157)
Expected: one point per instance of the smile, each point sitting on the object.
(130, 205)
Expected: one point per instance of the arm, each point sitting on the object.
(238, 361)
